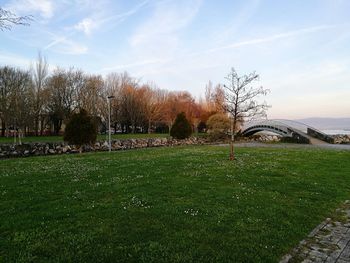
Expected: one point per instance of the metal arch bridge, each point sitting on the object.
(298, 131)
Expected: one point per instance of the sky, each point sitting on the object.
(300, 48)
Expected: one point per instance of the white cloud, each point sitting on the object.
(28, 7)
(100, 18)
(64, 44)
(86, 25)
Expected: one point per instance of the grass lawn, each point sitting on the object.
(99, 137)
(181, 204)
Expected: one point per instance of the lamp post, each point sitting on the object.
(109, 123)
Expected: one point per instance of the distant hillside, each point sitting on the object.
(327, 123)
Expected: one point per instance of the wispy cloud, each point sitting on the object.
(239, 19)
(124, 15)
(195, 63)
(133, 65)
(160, 33)
(156, 40)
(98, 19)
(64, 45)
(44, 7)
(272, 38)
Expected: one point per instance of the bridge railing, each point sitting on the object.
(294, 127)
(273, 123)
(283, 122)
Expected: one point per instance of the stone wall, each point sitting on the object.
(37, 149)
(341, 138)
(261, 138)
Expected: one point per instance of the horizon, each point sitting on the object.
(300, 50)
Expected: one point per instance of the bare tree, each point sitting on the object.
(153, 99)
(15, 99)
(112, 87)
(63, 86)
(209, 103)
(240, 100)
(9, 19)
(92, 99)
(39, 75)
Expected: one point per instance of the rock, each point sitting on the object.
(14, 153)
(105, 146)
(59, 149)
(156, 142)
(87, 148)
(341, 138)
(66, 149)
(117, 145)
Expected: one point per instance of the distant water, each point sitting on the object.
(333, 132)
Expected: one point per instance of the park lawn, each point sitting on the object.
(180, 204)
(100, 137)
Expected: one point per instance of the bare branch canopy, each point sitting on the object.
(9, 19)
(239, 98)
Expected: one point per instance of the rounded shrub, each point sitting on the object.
(80, 129)
(181, 128)
(218, 126)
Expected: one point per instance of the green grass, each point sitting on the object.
(99, 137)
(181, 204)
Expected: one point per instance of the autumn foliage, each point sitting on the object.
(40, 102)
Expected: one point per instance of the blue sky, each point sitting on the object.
(300, 48)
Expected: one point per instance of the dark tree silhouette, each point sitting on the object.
(80, 129)
(9, 19)
(181, 128)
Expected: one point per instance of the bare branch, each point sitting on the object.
(239, 98)
(9, 19)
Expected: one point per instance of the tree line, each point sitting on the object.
(39, 102)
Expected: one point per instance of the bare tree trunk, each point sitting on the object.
(170, 125)
(232, 153)
(19, 136)
(36, 126)
(14, 136)
(149, 126)
(3, 128)
(41, 126)
(196, 128)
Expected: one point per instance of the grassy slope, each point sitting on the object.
(99, 137)
(178, 204)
